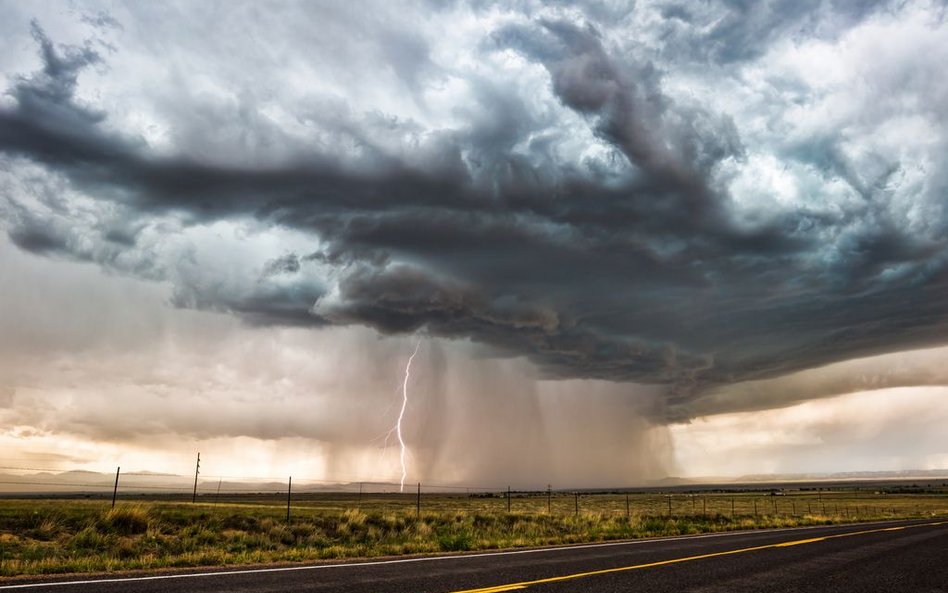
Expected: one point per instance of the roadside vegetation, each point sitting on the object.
(45, 536)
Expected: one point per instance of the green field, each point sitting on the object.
(45, 535)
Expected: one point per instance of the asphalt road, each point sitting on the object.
(894, 556)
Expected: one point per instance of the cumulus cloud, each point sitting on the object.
(684, 196)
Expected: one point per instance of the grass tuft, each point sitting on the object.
(126, 519)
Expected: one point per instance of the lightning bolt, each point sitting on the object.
(401, 416)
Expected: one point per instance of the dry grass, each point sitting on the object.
(64, 536)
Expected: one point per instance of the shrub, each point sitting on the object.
(456, 542)
(354, 517)
(127, 519)
(90, 540)
(48, 528)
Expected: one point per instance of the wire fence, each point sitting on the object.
(903, 498)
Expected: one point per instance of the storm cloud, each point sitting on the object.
(690, 197)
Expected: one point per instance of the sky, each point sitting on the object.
(629, 240)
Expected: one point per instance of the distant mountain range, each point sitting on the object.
(908, 474)
(863, 475)
(88, 482)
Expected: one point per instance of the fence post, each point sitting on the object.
(628, 511)
(669, 505)
(576, 500)
(289, 490)
(508, 499)
(732, 506)
(115, 489)
(549, 499)
(773, 499)
(704, 506)
(418, 501)
(755, 507)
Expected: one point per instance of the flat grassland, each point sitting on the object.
(73, 535)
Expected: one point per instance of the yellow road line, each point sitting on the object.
(579, 575)
(799, 541)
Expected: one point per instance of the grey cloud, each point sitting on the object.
(921, 368)
(288, 264)
(641, 274)
(281, 296)
(728, 31)
(633, 113)
(38, 240)
(284, 306)
(101, 19)
(50, 124)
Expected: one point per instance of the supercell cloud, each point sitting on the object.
(687, 195)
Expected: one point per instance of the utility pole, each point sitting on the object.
(418, 501)
(549, 499)
(217, 497)
(115, 490)
(359, 506)
(508, 499)
(197, 470)
(669, 505)
(628, 510)
(576, 499)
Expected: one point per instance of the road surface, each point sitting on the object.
(869, 557)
